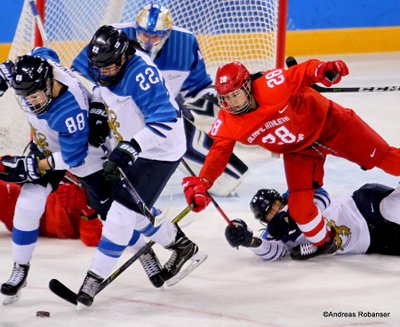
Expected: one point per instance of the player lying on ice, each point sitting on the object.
(279, 111)
(368, 221)
(66, 216)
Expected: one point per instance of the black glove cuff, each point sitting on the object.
(135, 145)
(50, 161)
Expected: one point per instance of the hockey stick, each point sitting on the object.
(216, 205)
(68, 295)
(291, 61)
(136, 197)
(38, 20)
(364, 89)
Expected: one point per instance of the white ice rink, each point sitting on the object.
(233, 288)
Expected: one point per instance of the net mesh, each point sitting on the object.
(226, 30)
(242, 30)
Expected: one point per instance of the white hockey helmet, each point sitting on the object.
(153, 27)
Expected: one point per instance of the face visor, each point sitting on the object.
(37, 102)
(238, 101)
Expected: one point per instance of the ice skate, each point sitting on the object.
(152, 267)
(89, 289)
(184, 251)
(309, 250)
(13, 287)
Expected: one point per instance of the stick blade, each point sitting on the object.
(62, 291)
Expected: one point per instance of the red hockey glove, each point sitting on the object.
(90, 227)
(331, 72)
(196, 192)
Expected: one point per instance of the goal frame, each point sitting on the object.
(281, 32)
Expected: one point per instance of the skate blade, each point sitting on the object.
(193, 263)
(81, 307)
(9, 299)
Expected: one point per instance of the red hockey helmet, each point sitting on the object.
(229, 80)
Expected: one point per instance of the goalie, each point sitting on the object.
(177, 55)
(368, 221)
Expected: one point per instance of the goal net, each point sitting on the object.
(250, 31)
(226, 30)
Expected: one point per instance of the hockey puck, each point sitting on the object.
(43, 314)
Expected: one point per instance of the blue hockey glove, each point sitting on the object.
(123, 156)
(238, 234)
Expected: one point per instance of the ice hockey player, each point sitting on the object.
(56, 104)
(66, 216)
(150, 141)
(278, 111)
(187, 78)
(368, 221)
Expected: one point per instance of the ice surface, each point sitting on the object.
(233, 288)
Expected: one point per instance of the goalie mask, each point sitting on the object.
(32, 80)
(266, 203)
(233, 84)
(107, 53)
(153, 27)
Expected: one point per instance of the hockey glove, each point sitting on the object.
(20, 169)
(282, 226)
(331, 72)
(195, 190)
(123, 156)
(5, 76)
(204, 103)
(98, 124)
(238, 234)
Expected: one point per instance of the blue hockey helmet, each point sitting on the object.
(153, 27)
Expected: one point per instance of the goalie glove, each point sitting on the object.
(98, 124)
(331, 72)
(123, 156)
(20, 169)
(204, 103)
(238, 234)
(5, 76)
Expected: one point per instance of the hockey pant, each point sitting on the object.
(149, 178)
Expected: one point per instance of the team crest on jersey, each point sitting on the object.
(113, 123)
(41, 141)
(343, 234)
